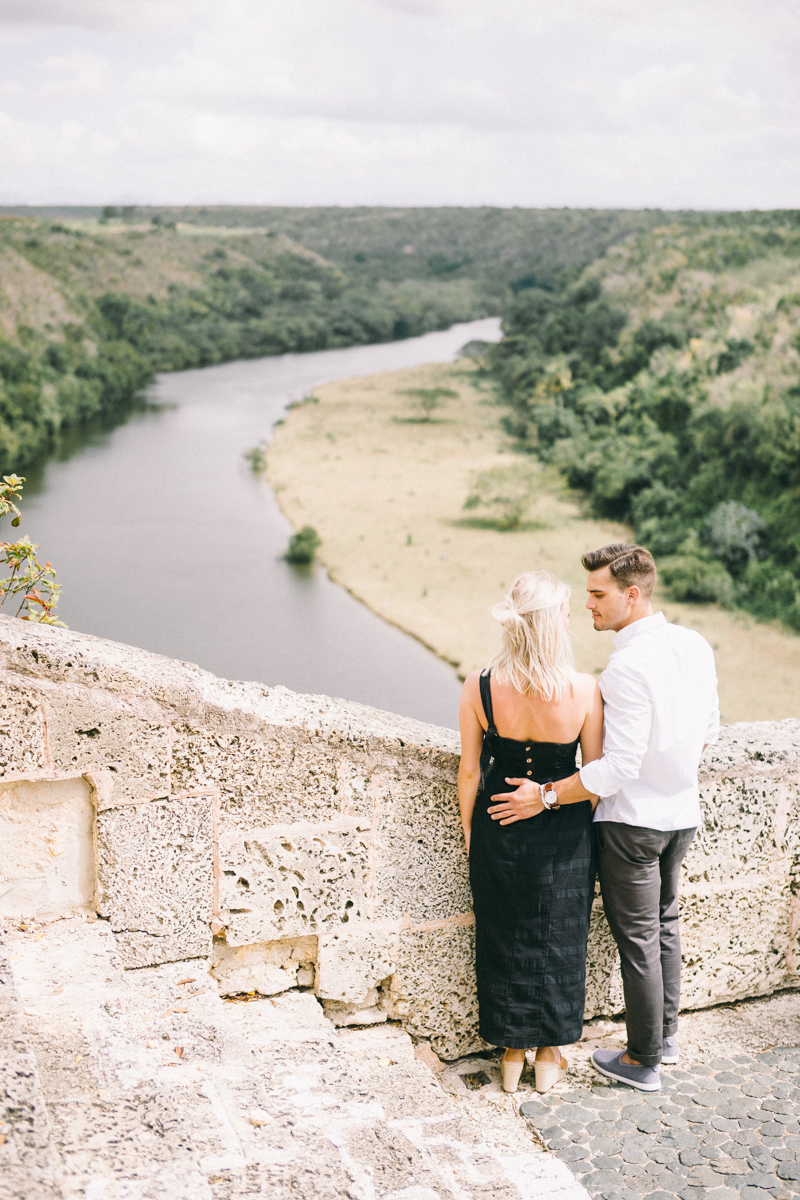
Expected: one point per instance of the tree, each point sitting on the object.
(504, 493)
(734, 534)
(430, 399)
(303, 546)
(257, 457)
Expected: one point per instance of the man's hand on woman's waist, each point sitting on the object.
(526, 801)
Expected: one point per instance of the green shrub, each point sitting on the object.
(257, 457)
(502, 494)
(303, 546)
(702, 580)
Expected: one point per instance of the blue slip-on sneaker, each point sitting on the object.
(669, 1054)
(610, 1064)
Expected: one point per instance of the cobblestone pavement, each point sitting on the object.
(728, 1129)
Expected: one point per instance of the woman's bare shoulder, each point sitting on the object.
(472, 688)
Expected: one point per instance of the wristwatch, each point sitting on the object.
(549, 796)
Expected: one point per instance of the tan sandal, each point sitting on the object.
(510, 1073)
(547, 1074)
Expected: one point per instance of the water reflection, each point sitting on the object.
(163, 537)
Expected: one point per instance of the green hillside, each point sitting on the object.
(89, 311)
(665, 384)
(495, 247)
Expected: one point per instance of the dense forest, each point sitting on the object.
(89, 311)
(665, 384)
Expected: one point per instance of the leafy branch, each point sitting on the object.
(32, 582)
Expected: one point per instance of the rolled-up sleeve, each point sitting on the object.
(628, 718)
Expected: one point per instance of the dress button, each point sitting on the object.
(530, 772)
(527, 748)
(527, 760)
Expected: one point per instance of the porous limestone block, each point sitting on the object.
(88, 735)
(379, 1047)
(744, 746)
(434, 991)
(291, 881)
(352, 962)
(266, 967)
(734, 941)
(21, 732)
(46, 849)
(372, 1009)
(748, 827)
(264, 776)
(422, 866)
(603, 979)
(155, 878)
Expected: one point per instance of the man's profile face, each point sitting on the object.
(608, 604)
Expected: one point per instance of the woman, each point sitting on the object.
(532, 880)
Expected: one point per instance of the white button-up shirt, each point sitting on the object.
(661, 707)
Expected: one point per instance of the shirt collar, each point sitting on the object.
(636, 627)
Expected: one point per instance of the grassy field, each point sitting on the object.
(386, 493)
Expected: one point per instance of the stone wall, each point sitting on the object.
(300, 841)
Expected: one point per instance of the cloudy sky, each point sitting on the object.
(674, 103)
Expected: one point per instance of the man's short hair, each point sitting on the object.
(629, 565)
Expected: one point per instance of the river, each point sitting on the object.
(164, 538)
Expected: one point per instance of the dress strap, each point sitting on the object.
(486, 698)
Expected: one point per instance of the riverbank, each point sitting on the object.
(386, 491)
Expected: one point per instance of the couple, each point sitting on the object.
(628, 814)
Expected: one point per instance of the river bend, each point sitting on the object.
(164, 538)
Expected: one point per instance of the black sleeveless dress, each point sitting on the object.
(532, 886)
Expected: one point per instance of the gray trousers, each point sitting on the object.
(638, 871)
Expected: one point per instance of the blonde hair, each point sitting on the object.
(536, 657)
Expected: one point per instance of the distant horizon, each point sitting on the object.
(219, 204)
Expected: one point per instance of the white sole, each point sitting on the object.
(671, 1061)
(640, 1087)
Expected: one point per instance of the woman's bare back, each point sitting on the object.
(530, 717)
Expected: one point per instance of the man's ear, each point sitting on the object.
(634, 593)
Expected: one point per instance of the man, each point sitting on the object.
(661, 710)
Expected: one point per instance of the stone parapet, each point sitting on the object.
(301, 841)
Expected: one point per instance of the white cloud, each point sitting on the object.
(92, 14)
(70, 75)
(588, 102)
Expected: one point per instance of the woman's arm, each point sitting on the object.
(469, 769)
(592, 733)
